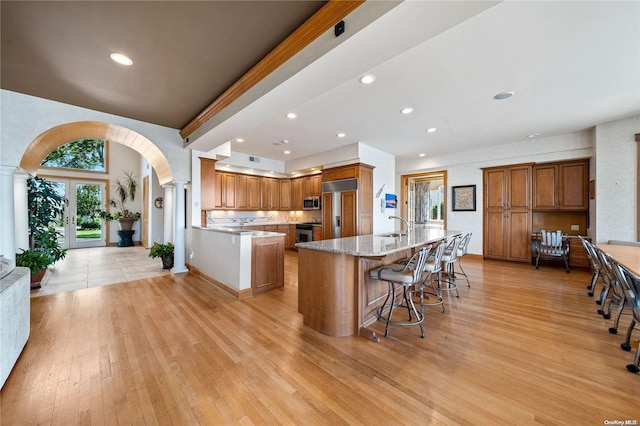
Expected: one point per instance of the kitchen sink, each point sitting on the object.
(394, 234)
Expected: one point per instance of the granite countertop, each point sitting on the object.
(378, 245)
(237, 230)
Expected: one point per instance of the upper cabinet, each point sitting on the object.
(296, 194)
(311, 185)
(561, 186)
(285, 194)
(207, 183)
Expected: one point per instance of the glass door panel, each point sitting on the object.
(87, 228)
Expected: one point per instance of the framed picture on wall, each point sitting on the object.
(464, 198)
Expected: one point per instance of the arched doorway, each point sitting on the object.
(59, 135)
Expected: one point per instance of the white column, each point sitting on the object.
(7, 215)
(21, 209)
(167, 210)
(179, 229)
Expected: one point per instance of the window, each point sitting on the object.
(82, 154)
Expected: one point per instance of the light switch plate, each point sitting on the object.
(575, 227)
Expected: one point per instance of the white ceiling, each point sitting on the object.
(571, 64)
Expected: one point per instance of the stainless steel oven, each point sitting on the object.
(304, 232)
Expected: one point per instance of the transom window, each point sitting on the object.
(82, 154)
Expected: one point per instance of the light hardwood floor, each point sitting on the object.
(520, 346)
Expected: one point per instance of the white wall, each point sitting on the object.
(465, 168)
(24, 117)
(616, 180)
(383, 174)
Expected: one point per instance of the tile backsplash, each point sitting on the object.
(221, 217)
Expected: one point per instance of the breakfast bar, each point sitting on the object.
(336, 296)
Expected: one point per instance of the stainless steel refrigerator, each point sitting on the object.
(339, 207)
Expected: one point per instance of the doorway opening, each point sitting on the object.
(425, 199)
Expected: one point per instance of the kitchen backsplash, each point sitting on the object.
(221, 217)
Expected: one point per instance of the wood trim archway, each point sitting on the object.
(59, 135)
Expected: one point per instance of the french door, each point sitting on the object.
(80, 226)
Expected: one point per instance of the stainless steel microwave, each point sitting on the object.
(311, 203)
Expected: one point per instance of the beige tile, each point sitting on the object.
(99, 266)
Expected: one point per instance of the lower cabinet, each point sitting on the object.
(577, 256)
(267, 264)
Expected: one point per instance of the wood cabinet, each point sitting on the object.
(507, 213)
(577, 256)
(296, 194)
(561, 186)
(285, 194)
(286, 229)
(225, 190)
(311, 185)
(317, 233)
(207, 183)
(267, 264)
(269, 194)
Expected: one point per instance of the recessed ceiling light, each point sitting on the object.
(121, 59)
(431, 129)
(287, 152)
(422, 154)
(341, 135)
(504, 95)
(407, 110)
(239, 140)
(367, 79)
(292, 115)
(533, 135)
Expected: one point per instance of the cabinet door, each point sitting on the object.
(229, 191)
(316, 185)
(218, 196)
(296, 194)
(253, 192)
(348, 214)
(574, 186)
(317, 233)
(242, 193)
(327, 219)
(306, 186)
(519, 235)
(285, 194)
(207, 183)
(495, 235)
(544, 187)
(494, 189)
(518, 187)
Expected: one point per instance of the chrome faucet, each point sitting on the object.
(406, 223)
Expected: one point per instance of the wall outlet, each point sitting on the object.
(575, 227)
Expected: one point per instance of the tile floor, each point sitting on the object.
(98, 266)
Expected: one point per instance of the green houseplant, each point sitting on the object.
(125, 190)
(163, 251)
(46, 206)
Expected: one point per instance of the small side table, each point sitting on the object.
(126, 238)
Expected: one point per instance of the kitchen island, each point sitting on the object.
(336, 296)
(244, 263)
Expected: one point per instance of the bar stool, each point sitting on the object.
(448, 260)
(462, 251)
(433, 266)
(405, 275)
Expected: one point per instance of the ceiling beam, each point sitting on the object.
(314, 27)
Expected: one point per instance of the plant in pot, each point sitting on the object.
(125, 189)
(46, 207)
(163, 251)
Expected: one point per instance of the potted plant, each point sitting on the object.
(46, 206)
(163, 251)
(125, 189)
(37, 262)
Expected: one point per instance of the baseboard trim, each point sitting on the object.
(236, 294)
